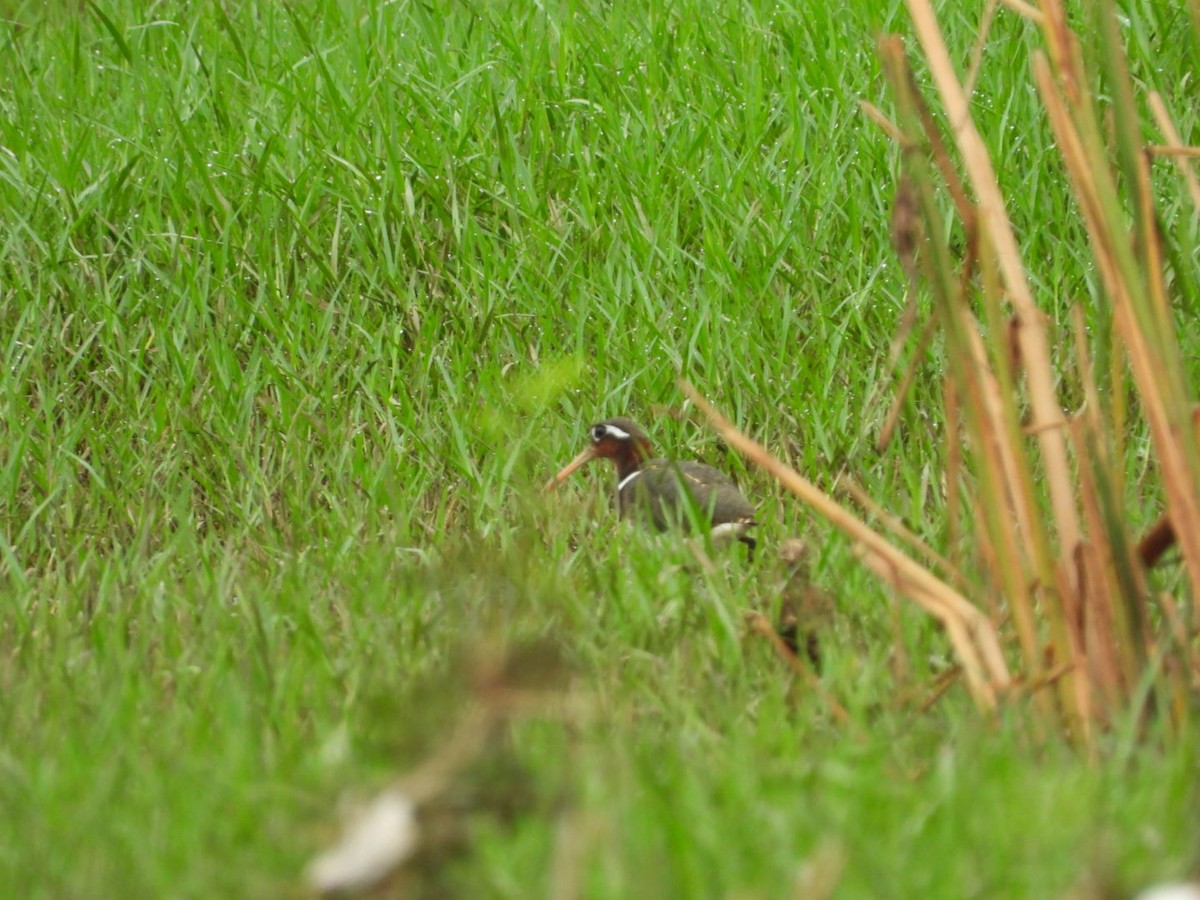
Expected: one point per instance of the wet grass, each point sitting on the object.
(300, 305)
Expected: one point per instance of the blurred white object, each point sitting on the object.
(1179, 891)
(374, 844)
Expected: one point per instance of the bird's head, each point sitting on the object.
(619, 439)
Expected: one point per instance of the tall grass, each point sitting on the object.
(1058, 560)
(299, 304)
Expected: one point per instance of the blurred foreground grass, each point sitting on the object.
(298, 308)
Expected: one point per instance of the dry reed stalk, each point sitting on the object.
(973, 637)
(955, 626)
(898, 528)
(1174, 146)
(985, 28)
(900, 663)
(1008, 505)
(1125, 591)
(994, 220)
(1179, 632)
(879, 117)
(1076, 579)
(1075, 682)
(1012, 509)
(1141, 314)
(953, 461)
(892, 419)
(1049, 678)
(1106, 648)
(1024, 10)
(1008, 502)
(1095, 606)
(1167, 150)
(940, 686)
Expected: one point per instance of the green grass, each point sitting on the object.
(299, 306)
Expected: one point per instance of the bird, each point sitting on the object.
(804, 609)
(660, 491)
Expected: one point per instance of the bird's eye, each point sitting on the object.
(598, 432)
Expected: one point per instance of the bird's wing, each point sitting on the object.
(719, 492)
(716, 496)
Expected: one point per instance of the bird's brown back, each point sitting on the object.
(664, 489)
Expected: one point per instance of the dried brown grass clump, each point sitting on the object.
(1046, 488)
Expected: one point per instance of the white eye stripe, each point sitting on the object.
(617, 432)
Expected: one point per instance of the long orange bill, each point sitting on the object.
(589, 453)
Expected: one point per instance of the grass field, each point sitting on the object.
(299, 307)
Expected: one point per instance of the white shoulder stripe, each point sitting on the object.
(624, 482)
